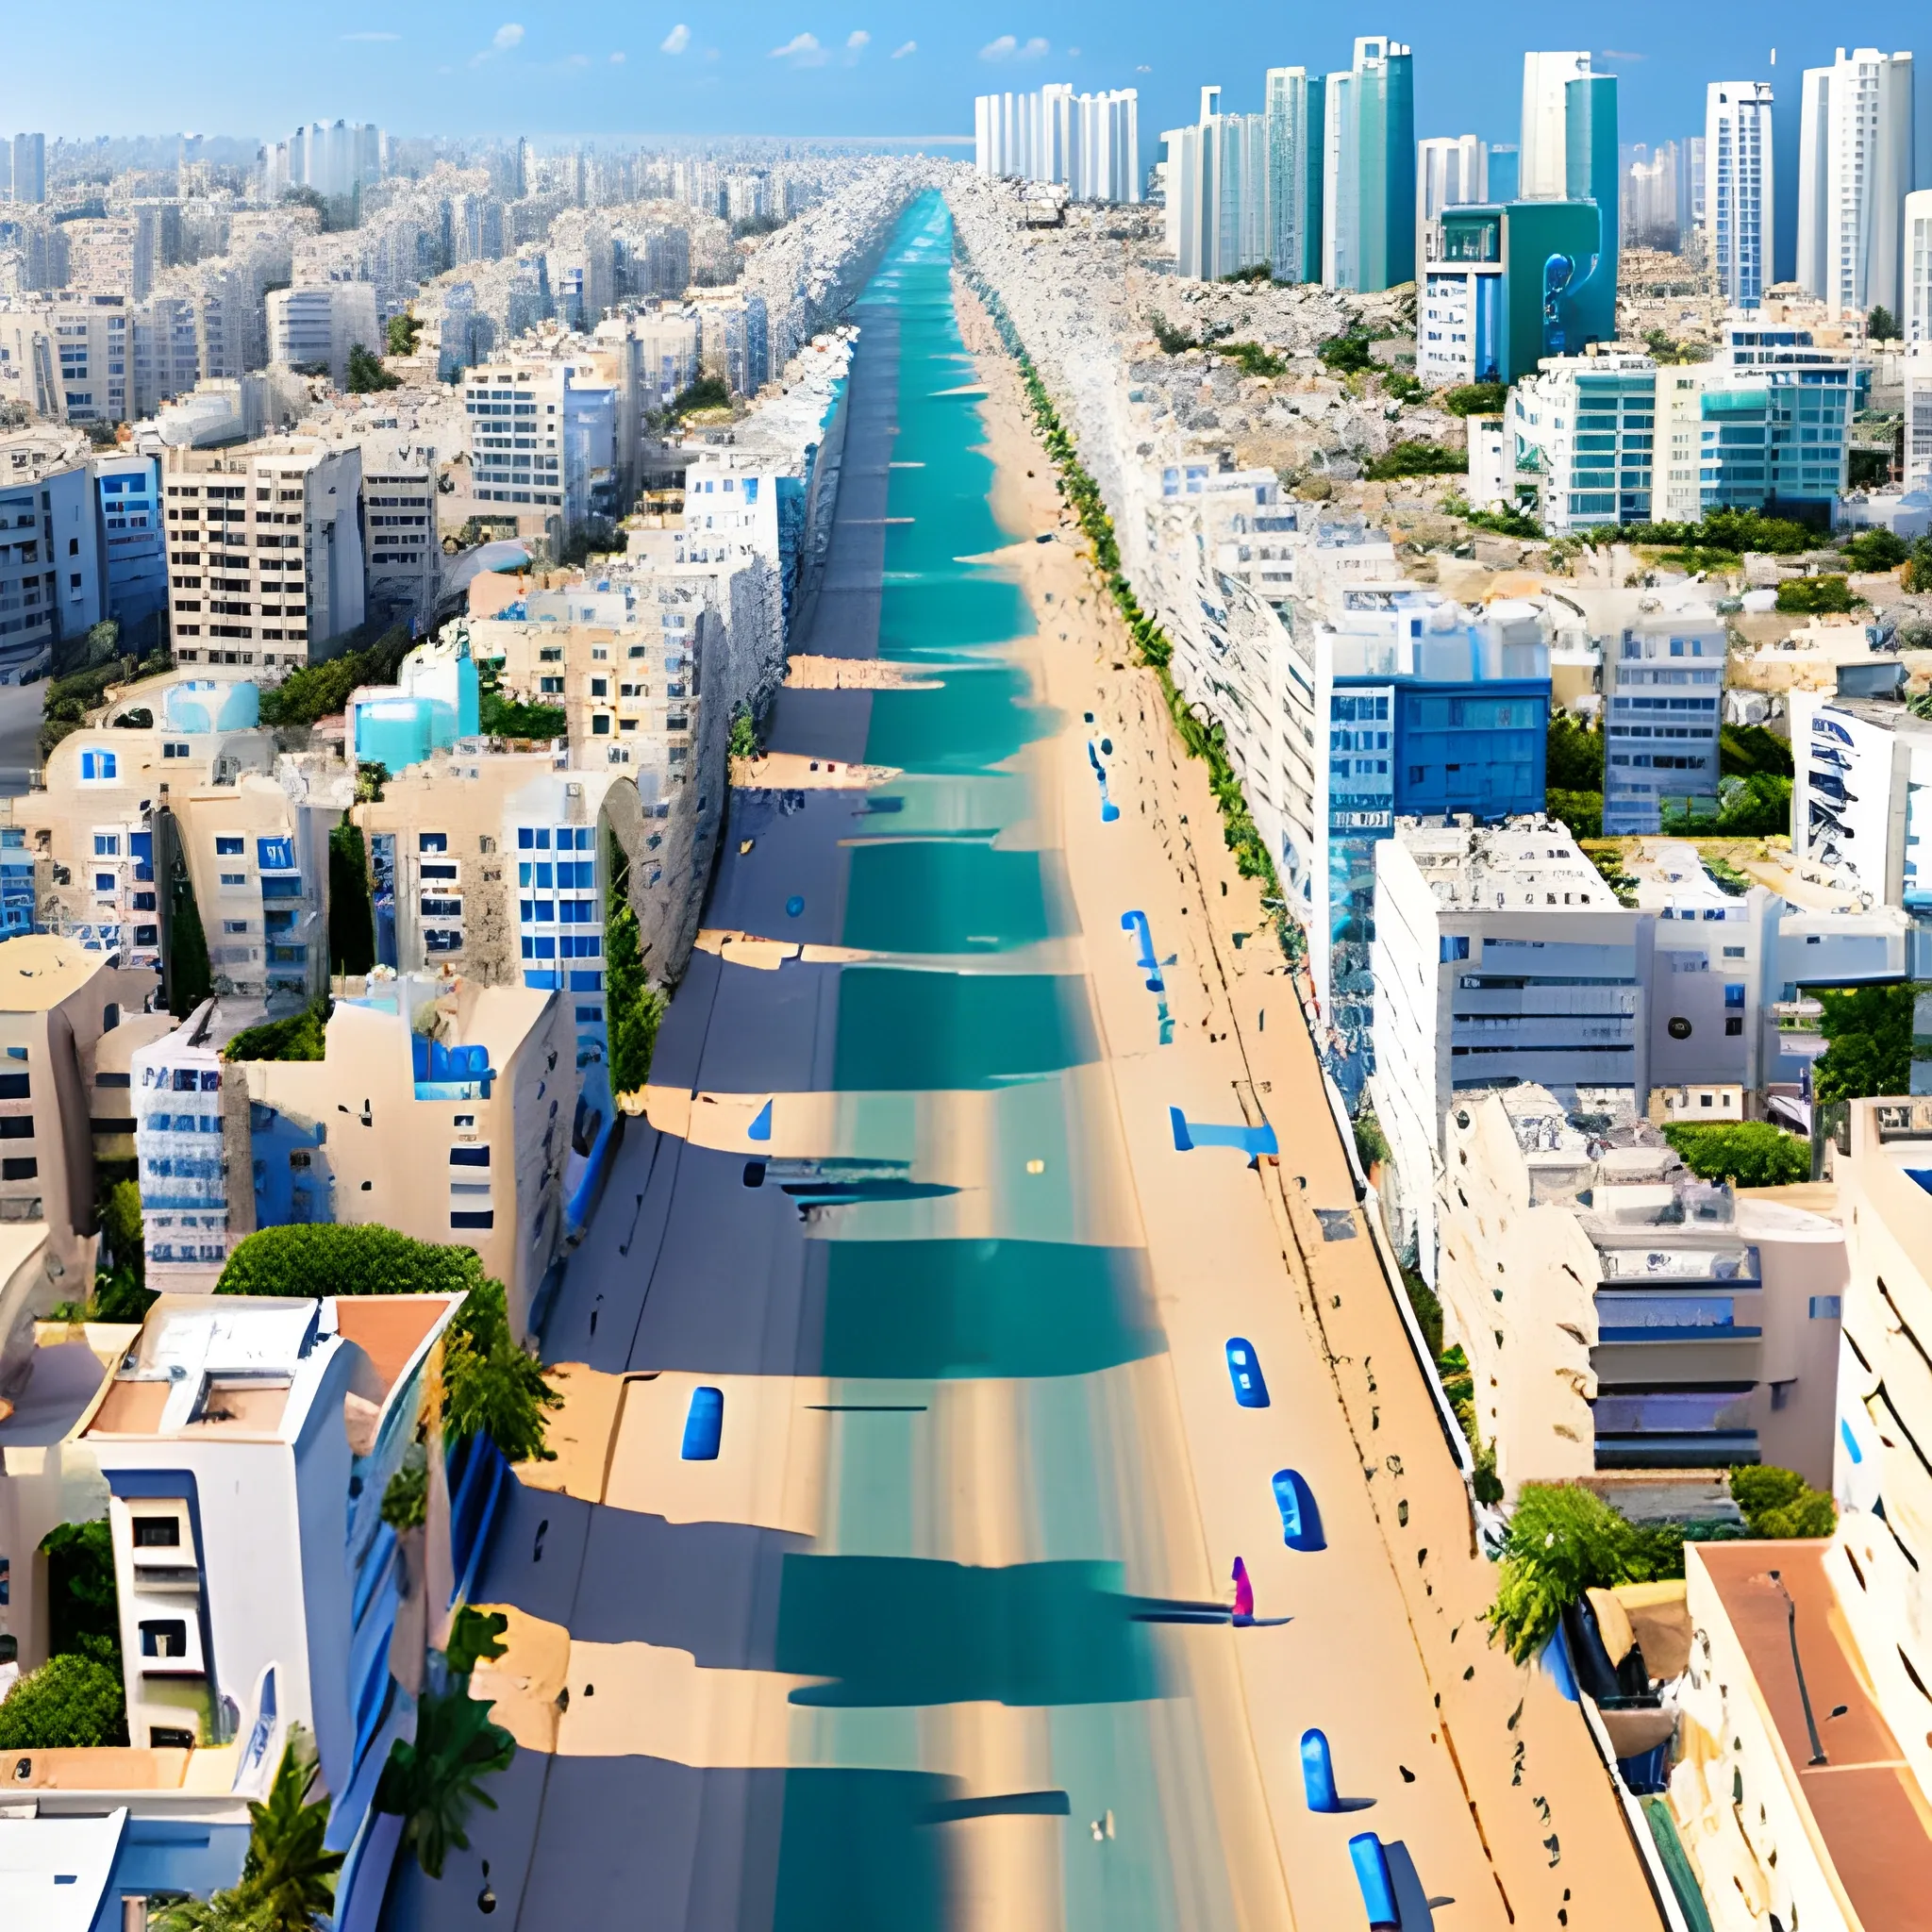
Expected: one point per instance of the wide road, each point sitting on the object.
(938, 1640)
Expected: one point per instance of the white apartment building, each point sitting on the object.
(1915, 318)
(264, 550)
(1854, 166)
(736, 340)
(1861, 805)
(1500, 956)
(1663, 706)
(1544, 165)
(1089, 142)
(1740, 188)
(1292, 103)
(404, 559)
(1621, 1316)
(1451, 170)
(1917, 425)
(535, 437)
(1217, 193)
(257, 1585)
(315, 326)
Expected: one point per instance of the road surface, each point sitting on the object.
(938, 1640)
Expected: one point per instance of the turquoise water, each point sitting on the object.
(948, 878)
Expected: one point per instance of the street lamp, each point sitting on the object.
(1798, 1665)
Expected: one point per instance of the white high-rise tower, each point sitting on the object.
(1855, 167)
(1544, 175)
(1738, 197)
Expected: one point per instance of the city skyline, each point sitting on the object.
(882, 73)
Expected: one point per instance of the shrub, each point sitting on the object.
(73, 1701)
(403, 332)
(1347, 354)
(1749, 1154)
(1476, 398)
(320, 691)
(302, 1035)
(406, 1498)
(1173, 342)
(1813, 596)
(1873, 550)
(744, 734)
(1252, 358)
(83, 1602)
(500, 717)
(1417, 458)
(707, 392)
(1371, 1143)
(1779, 1503)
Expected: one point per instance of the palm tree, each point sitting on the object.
(435, 1783)
(289, 1878)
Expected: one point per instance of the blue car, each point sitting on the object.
(1301, 1520)
(1244, 1371)
(704, 1424)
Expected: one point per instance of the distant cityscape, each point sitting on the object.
(570, 991)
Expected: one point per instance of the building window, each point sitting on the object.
(156, 1532)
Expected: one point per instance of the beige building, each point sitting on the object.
(442, 1108)
(1621, 1316)
(57, 1002)
(192, 774)
(265, 552)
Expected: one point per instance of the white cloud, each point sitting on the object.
(372, 37)
(1073, 53)
(1143, 69)
(858, 40)
(578, 61)
(1002, 49)
(900, 53)
(505, 37)
(802, 50)
(1035, 49)
(617, 59)
(676, 41)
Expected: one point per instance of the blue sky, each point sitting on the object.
(804, 67)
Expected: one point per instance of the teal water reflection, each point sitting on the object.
(913, 1029)
(891, 1630)
(936, 1310)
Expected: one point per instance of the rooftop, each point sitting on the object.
(1864, 1802)
(1530, 862)
(39, 970)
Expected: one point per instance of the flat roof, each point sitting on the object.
(1864, 1802)
(38, 970)
(389, 1329)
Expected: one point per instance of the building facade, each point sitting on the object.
(1855, 168)
(1740, 188)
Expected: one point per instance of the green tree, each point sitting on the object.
(1573, 754)
(1582, 811)
(1868, 1036)
(501, 717)
(123, 1230)
(1878, 549)
(1749, 1154)
(289, 1876)
(83, 1602)
(320, 691)
(1562, 1540)
(1743, 749)
(366, 372)
(1779, 1503)
(634, 1006)
(707, 392)
(1476, 398)
(403, 332)
(406, 1497)
(490, 1383)
(351, 912)
(1881, 326)
(494, 1388)
(74, 1701)
(1917, 576)
(435, 1782)
(189, 979)
(1814, 596)
(744, 734)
